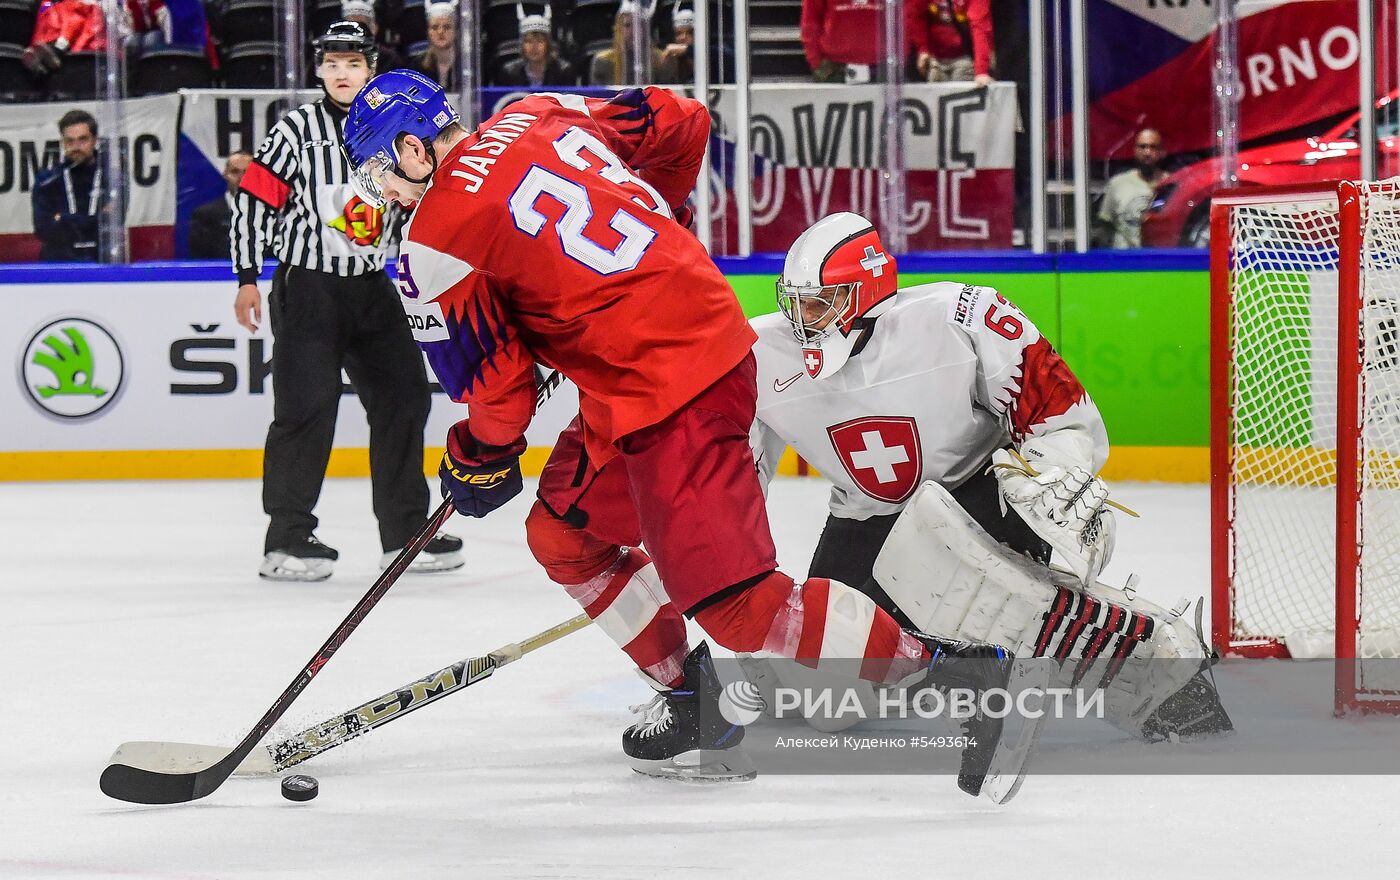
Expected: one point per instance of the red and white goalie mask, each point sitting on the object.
(837, 279)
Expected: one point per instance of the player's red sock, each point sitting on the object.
(617, 587)
(628, 603)
(820, 620)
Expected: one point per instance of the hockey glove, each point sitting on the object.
(476, 477)
(1066, 506)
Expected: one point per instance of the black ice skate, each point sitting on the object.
(304, 560)
(442, 553)
(1193, 712)
(682, 734)
(994, 760)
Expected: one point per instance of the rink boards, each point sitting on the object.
(161, 383)
(154, 379)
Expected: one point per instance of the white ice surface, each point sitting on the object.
(133, 611)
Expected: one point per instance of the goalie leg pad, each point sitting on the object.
(954, 581)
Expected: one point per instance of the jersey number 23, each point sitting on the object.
(541, 183)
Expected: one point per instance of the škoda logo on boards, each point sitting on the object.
(72, 368)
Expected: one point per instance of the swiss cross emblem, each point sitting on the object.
(812, 360)
(874, 261)
(881, 454)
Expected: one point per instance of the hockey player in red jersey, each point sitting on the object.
(549, 236)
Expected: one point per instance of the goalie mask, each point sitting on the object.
(837, 279)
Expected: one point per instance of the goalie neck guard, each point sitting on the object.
(837, 279)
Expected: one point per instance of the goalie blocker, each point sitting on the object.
(955, 581)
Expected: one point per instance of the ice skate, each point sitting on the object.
(682, 733)
(304, 560)
(442, 553)
(1193, 712)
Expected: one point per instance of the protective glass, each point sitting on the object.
(814, 311)
(368, 178)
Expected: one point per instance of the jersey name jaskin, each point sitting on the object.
(492, 143)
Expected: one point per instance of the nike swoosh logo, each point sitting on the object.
(780, 387)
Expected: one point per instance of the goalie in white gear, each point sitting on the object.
(883, 390)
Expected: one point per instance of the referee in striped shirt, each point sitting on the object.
(332, 306)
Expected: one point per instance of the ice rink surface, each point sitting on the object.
(133, 611)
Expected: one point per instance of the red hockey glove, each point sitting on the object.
(476, 477)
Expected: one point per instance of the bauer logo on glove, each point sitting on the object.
(485, 481)
(479, 478)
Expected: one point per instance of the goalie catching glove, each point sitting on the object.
(1066, 506)
(479, 478)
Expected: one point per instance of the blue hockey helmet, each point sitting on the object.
(394, 103)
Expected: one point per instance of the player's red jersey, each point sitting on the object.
(547, 236)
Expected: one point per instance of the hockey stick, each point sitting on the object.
(340, 729)
(1011, 759)
(150, 785)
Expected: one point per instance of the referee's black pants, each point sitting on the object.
(322, 323)
(847, 548)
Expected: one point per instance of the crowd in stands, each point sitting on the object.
(50, 49)
(172, 44)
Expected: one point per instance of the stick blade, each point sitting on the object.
(138, 785)
(173, 757)
(1009, 764)
(151, 773)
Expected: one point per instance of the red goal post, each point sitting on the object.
(1305, 430)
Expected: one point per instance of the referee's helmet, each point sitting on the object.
(347, 36)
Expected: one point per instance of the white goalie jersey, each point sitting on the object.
(951, 372)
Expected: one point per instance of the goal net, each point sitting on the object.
(1305, 445)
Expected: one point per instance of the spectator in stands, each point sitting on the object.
(1119, 221)
(842, 39)
(952, 39)
(63, 27)
(209, 223)
(68, 200)
(538, 65)
(362, 11)
(148, 22)
(616, 66)
(681, 53)
(154, 25)
(440, 60)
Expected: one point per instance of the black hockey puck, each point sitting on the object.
(300, 788)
